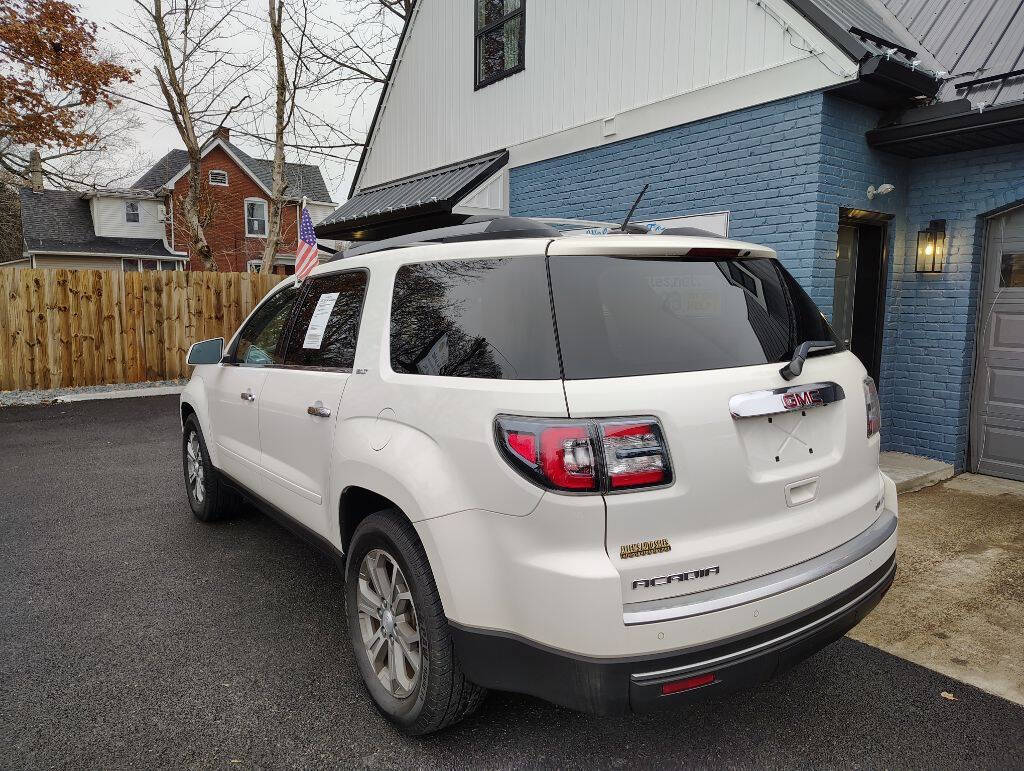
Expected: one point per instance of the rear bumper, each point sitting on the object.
(609, 686)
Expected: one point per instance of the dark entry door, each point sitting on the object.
(858, 307)
(997, 411)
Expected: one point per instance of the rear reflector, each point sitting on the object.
(687, 685)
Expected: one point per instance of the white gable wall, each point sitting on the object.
(108, 218)
(647, 64)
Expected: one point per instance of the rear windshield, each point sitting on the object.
(619, 316)
(474, 318)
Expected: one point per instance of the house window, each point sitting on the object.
(255, 217)
(500, 39)
(135, 264)
(131, 211)
(218, 177)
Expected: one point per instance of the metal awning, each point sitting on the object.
(418, 202)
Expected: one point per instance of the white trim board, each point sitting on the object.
(770, 85)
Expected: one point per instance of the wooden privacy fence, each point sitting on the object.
(63, 328)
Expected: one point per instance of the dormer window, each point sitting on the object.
(218, 177)
(255, 217)
(131, 211)
(500, 39)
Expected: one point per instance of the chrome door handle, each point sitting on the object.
(248, 396)
(318, 410)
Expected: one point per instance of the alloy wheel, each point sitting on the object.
(388, 624)
(194, 467)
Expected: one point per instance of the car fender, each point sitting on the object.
(194, 395)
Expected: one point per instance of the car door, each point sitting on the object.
(235, 386)
(300, 401)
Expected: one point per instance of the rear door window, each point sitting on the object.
(620, 316)
(327, 322)
(474, 318)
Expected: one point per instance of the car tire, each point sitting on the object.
(209, 499)
(436, 694)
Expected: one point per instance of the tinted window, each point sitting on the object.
(474, 318)
(327, 323)
(258, 342)
(624, 316)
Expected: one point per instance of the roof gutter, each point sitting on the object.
(882, 81)
(885, 84)
(950, 127)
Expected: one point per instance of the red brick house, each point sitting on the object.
(236, 196)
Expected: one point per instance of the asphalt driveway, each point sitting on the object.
(131, 635)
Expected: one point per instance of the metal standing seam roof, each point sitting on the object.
(966, 39)
(440, 188)
(971, 39)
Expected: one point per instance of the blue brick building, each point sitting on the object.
(899, 126)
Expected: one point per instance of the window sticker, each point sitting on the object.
(318, 324)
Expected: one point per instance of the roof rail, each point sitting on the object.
(475, 228)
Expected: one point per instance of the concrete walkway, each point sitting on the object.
(957, 605)
(912, 472)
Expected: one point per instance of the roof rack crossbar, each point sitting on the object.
(474, 228)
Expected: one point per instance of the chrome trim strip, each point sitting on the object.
(801, 397)
(754, 589)
(718, 661)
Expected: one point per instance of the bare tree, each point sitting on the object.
(354, 50)
(108, 156)
(283, 95)
(200, 74)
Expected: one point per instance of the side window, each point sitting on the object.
(257, 344)
(474, 318)
(327, 323)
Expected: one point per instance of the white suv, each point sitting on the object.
(595, 469)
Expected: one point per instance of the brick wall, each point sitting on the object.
(932, 318)
(784, 170)
(226, 233)
(761, 164)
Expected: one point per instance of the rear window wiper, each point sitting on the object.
(796, 364)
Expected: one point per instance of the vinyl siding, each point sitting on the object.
(584, 63)
(73, 262)
(108, 218)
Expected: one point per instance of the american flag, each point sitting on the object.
(306, 255)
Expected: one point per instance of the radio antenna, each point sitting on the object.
(632, 208)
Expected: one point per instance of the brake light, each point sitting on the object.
(871, 407)
(585, 456)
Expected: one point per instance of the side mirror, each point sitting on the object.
(206, 352)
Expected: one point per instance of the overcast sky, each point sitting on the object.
(158, 134)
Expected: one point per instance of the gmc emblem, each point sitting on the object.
(797, 400)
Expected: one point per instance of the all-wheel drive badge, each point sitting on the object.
(644, 548)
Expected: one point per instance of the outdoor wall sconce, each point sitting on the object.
(931, 247)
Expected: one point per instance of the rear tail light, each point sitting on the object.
(874, 411)
(586, 456)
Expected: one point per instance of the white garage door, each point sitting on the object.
(997, 410)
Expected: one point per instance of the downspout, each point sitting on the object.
(170, 213)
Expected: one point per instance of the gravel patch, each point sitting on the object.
(52, 395)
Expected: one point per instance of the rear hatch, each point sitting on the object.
(677, 338)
